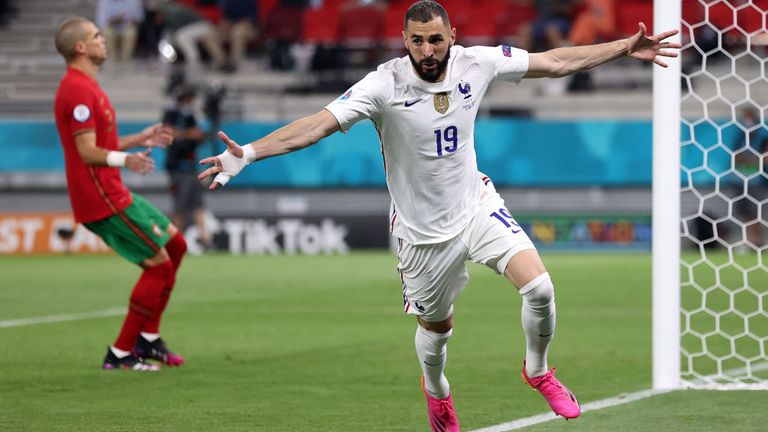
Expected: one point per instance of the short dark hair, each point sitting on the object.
(70, 32)
(425, 11)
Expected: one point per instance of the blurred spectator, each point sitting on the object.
(151, 29)
(119, 21)
(238, 26)
(751, 158)
(597, 20)
(549, 29)
(7, 11)
(181, 164)
(186, 27)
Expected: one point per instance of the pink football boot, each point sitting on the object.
(559, 398)
(442, 417)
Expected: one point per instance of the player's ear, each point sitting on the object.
(79, 47)
(453, 35)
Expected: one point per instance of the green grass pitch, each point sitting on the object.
(321, 344)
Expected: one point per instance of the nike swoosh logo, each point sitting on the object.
(430, 364)
(409, 103)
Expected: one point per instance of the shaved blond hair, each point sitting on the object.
(70, 33)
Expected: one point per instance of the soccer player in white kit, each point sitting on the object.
(444, 211)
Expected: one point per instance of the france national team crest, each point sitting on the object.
(465, 89)
(441, 102)
(506, 50)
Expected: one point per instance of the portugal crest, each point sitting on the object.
(441, 102)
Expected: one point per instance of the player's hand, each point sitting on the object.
(156, 135)
(226, 165)
(644, 47)
(140, 162)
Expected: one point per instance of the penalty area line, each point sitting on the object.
(591, 406)
(61, 318)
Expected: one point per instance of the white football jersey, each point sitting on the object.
(427, 135)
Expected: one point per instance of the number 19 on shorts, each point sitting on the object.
(450, 136)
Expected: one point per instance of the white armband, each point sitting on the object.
(116, 158)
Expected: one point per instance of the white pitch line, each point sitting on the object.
(592, 406)
(61, 318)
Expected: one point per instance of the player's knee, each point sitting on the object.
(444, 326)
(153, 282)
(431, 342)
(539, 291)
(176, 246)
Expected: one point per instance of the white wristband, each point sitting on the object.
(116, 158)
(249, 153)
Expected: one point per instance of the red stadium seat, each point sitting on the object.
(693, 11)
(751, 18)
(393, 22)
(510, 18)
(283, 23)
(361, 26)
(630, 13)
(321, 25)
(265, 7)
(480, 23)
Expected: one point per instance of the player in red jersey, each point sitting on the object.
(93, 155)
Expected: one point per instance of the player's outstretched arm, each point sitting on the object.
(565, 61)
(157, 135)
(289, 138)
(91, 154)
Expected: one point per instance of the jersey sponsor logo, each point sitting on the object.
(81, 113)
(411, 103)
(441, 102)
(506, 50)
(346, 95)
(465, 89)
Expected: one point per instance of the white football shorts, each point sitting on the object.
(434, 275)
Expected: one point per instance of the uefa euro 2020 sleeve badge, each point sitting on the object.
(441, 102)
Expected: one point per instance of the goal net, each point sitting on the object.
(724, 195)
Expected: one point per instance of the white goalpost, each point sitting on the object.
(666, 208)
(710, 197)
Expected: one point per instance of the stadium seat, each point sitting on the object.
(510, 18)
(361, 26)
(478, 22)
(693, 11)
(393, 23)
(265, 7)
(751, 18)
(630, 12)
(361, 32)
(321, 25)
(283, 23)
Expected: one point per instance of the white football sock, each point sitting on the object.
(432, 352)
(119, 353)
(538, 317)
(150, 337)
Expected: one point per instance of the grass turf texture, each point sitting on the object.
(321, 344)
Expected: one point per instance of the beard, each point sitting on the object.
(431, 75)
(97, 60)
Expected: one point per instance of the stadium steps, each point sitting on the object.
(30, 68)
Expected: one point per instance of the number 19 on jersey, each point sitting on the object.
(450, 136)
